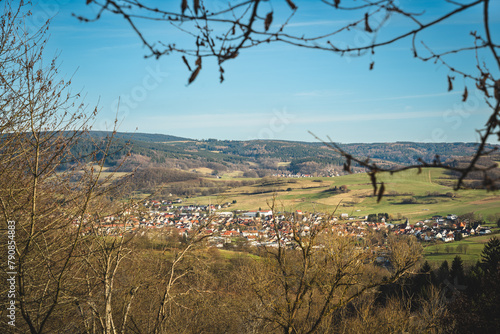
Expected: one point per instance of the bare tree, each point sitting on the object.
(102, 254)
(303, 281)
(44, 189)
(181, 266)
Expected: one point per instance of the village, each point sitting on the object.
(256, 228)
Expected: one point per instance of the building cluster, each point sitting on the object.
(440, 228)
(290, 175)
(260, 228)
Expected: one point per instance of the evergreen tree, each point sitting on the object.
(426, 268)
(474, 278)
(490, 257)
(426, 276)
(443, 272)
(457, 269)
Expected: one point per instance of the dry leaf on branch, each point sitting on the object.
(268, 21)
(194, 74)
(291, 4)
(367, 26)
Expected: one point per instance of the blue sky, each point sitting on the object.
(273, 91)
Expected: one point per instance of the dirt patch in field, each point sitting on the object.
(487, 200)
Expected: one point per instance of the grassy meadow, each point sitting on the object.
(430, 193)
(312, 194)
(469, 251)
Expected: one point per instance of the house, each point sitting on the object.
(224, 214)
(250, 233)
(254, 214)
(449, 237)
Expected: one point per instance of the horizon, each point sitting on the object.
(273, 91)
(285, 140)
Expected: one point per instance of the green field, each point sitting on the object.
(432, 191)
(311, 194)
(437, 253)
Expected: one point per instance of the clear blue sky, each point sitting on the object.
(273, 91)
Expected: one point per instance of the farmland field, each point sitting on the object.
(407, 194)
(468, 249)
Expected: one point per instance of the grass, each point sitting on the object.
(112, 175)
(105, 173)
(437, 253)
(234, 175)
(309, 194)
(228, 254)
(203, 170)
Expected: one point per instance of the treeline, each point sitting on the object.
(408, 153)
(170, 181)
(315, 164)
(147, 180)
(468, 297)
(201, 187)
(175, 283)
(263, 157)
(146, 137)
(477, 179)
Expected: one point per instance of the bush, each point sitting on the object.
(409, 200)
(251, 174)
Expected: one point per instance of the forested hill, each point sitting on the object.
(146, 137)
(267, 154)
